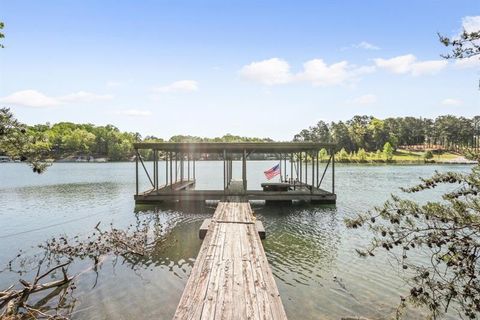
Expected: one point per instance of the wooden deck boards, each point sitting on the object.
(318, 195)
(231, 278)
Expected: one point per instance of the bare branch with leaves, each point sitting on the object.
(446, 233)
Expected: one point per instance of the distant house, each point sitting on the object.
(81, 159)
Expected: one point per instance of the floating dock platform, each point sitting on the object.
(301, 175)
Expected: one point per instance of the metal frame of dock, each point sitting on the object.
(300, 171)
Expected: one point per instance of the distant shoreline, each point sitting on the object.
(369, 162)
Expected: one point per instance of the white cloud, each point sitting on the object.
(471, 23)
(135, 113)
(428, 67)
(178, 86)
(409, 64)
(30, 98)
(451, 102)
(270, 72)
(37, 99)
(366, 99)
(366, 45)
(400, 64)
(319, 73)
(471, 62)
(277, 71)
(83, 96)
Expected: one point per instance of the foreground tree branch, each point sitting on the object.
(445, 233)
(466, 45)
(14, 303)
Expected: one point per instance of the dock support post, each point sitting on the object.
(313, 171)
(231, 169)
(136, 171)
(306, 168)
(154, 173)
(224, 170)
(171, 170)
(181, 166)
(291, 167)
(166, 169)
(281, 168)
(230, 166)
(155, 170)
(300, 165)
(244, 170)
(188, 166)
(158, 159)
(176, 166)
(317, 167)
(333, 171)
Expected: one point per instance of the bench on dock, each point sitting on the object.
(275, 186)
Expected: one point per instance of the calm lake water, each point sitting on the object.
(312, 254)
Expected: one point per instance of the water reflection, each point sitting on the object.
(67, 191)
(311, 254)
(301, 241)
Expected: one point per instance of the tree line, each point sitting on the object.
(359, 134)
(371, 134)
(67, 139)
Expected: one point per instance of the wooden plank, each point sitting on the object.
(224, 308)
(260, 229)
(238, 294)
(260, 284)
(200, 273)
(214, 286)
(247, 274)
(275, 301)
(200, 295)
(231, 278)
(202, 232)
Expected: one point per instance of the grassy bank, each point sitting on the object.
(396, 157)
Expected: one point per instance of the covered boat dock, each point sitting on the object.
(301, 172)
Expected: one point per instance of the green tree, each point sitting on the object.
(18, 142)
(378, 134)
(304, 135)
(428, 155)
(323, 154)
(362, 155)
(340, 136)
(320, 132)
(342, 155)
(147, 154)
(120, 150)
(79, 141)
(359, 133)
(388, 151)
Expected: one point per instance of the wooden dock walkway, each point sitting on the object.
(231, 278)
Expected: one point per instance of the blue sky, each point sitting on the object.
(253, 68)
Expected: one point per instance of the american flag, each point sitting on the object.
(272, 172)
